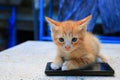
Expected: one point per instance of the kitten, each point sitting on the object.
(76, 48)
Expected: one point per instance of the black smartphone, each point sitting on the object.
(97, 69)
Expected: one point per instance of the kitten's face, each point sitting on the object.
(68, 35)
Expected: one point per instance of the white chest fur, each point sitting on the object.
(66, 56)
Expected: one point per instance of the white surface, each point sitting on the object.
(27, 61)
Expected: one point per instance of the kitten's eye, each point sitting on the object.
(74, 39)
(61, 39)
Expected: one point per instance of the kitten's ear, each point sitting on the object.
(53, 24)
(84, 22)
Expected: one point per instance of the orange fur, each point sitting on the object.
(82, 53)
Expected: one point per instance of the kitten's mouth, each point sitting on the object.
(67, 49)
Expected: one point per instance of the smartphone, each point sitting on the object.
(97, 69)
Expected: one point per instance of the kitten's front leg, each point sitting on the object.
(78, 63)
(57, 63)
(69, 65)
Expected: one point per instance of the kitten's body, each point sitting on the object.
(72, 53)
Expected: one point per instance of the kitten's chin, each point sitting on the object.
(67, 51)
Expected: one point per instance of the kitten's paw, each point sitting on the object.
(68, 65)
(64, 66)
(55, 66)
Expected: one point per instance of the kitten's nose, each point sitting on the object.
(67, 47)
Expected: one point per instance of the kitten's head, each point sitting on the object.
(68, 35)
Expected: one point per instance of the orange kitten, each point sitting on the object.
(76, 48)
